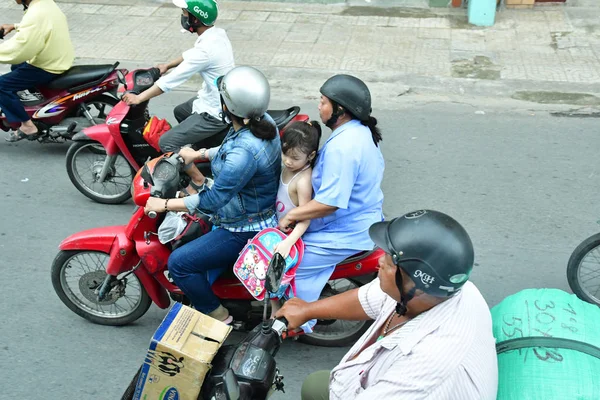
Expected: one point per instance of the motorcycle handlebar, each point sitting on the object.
(152, 214)
(155, 73)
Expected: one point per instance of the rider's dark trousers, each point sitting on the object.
(22, 76)
(190, 264)
(200, 130)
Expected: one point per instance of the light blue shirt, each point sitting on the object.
(347, 175)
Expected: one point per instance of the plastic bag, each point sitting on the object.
(154, 129)
(171, 227)
(541, 373)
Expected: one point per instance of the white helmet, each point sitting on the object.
(245, 91)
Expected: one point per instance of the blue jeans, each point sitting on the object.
(22, 76)
(189, 264)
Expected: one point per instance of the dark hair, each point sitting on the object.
(260, 127)
(375, 131)
(304, 136)
(371, 123)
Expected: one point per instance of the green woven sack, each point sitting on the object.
(552, 369)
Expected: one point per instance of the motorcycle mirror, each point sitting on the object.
(146, 175)
(274, 273)
(122, 79)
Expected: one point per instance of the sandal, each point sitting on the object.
(20, 135)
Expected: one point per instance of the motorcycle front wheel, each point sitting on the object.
(335, 332)
(85, 164)
(77, 277)
(583, 270)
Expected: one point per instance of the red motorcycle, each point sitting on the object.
(111, 275)
(79, 98)
(105, 176)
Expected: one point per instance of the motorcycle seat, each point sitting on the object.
(283, 117)
(359, 256)
(80, 75)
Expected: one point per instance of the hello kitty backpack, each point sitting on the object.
(251, 266)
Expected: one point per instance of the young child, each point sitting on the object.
(299, 146)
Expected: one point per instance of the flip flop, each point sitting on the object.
(20, 135)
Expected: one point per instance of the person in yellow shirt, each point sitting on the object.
(39, 52)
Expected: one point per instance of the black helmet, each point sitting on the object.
(349, 92)
(431, 247)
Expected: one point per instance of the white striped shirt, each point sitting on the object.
(446, 353)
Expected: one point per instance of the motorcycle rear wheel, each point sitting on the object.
(336, 333)
(79, 292)
(120, 175)
(584, 263)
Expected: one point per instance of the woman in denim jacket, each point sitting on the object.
(241, 201)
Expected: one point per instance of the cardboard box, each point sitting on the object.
(180, 355)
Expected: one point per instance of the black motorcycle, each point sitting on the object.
(230, 378)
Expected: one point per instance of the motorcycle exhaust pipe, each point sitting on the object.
(61, 130)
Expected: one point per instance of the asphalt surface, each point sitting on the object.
(524, 184)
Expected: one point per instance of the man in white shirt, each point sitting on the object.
(432, 336)
(212, 57)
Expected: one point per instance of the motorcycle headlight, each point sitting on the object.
(164, 171)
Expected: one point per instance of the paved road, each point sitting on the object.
(524, 184)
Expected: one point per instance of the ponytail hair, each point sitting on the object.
(371, 123)
(260, 127)
(305, 136)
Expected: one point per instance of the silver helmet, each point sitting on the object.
(245, 91)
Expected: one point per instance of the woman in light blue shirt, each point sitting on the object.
(347, 186)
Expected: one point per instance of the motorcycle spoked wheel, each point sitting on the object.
(85, 162)
(76, 278)
(336, 333)
(584, 263)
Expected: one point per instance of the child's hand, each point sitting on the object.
(283, 248)
(286, 225)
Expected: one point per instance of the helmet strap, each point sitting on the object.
(401, 307)
(225, 114)
(337, 112)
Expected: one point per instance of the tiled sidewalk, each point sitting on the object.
(547, 44)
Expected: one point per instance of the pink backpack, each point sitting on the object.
(251, 265)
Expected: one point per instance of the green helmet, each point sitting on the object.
(205, 10)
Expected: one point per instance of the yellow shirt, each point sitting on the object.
(42, 39)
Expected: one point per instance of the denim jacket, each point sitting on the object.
(246, 178)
